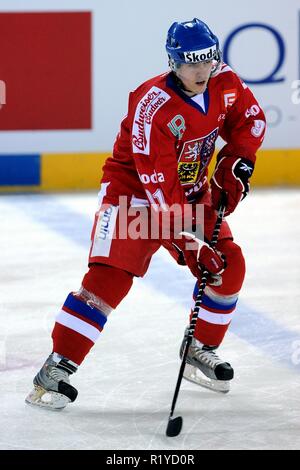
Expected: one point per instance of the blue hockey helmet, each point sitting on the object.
(191, 42)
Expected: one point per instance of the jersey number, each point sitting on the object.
(157, 199)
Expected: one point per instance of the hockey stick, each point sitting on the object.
(175, 424)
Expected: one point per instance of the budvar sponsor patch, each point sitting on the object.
(154, 99)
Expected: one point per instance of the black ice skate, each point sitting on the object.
(205, 368)
(52, 387)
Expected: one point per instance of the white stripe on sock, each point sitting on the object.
(215, 318)
(74, 323)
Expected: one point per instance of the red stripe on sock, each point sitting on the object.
(209, 333)
(70, 344)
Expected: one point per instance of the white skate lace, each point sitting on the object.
(58, 374)
(209, 358)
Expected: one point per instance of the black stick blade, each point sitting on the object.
(174, 426)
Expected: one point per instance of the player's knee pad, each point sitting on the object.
(234, 274)
(107, 283)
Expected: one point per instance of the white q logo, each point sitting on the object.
(2, 93)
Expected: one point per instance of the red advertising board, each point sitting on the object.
(46, 68)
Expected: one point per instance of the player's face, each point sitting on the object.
(195, 76)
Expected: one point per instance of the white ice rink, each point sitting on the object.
(127, 383)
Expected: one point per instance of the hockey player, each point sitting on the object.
(160, 159)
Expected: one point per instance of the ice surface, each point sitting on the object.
(126, 384)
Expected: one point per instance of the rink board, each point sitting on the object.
(81, 171)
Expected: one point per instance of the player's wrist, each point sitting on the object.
(231, 176)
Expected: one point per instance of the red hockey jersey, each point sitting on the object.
(167, 140)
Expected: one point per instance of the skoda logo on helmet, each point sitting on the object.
(200, 55)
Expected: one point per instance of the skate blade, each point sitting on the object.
(194, 375)
(47, 399)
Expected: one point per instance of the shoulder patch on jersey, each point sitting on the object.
(147, 107)
(230, 97)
